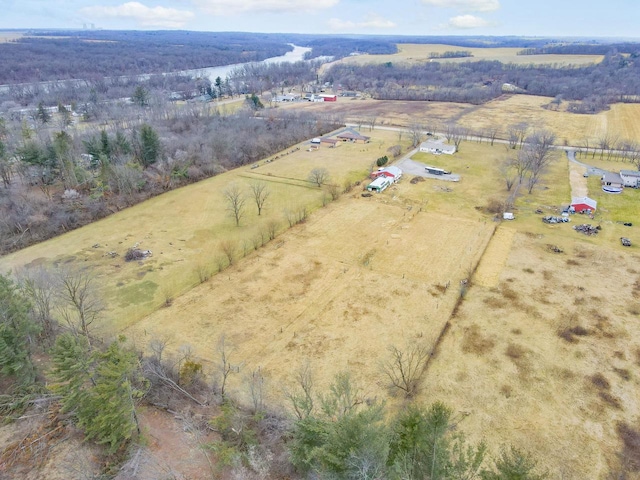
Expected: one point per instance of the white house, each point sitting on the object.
(630, 178)
(379, 184)
(611, 179)
(437, 148)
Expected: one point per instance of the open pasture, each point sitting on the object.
(420, 53)
(621, 121)
(527, 347)
(526, 356)
(336, 291)
(184, 229)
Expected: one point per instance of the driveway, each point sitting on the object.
(411, 167)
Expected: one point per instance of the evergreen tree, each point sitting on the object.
(99, 388)
(149, 146)
(254, 102)
(514, 464)
(16, 334)
(140, 96)
(43, 114)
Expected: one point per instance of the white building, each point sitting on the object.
(437, 148)
(630, 178)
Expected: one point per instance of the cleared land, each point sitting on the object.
(621, 121)
(525, 352)
(420, 53)
(184, 228)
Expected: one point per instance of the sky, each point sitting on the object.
(542, 18)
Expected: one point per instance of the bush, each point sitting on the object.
(382, 161)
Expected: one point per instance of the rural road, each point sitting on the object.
(571, 155)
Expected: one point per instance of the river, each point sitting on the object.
(295, 55)
(223, 71)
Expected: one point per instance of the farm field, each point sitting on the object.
(420, 53)
(184, 229)
(622, 121)
(364, 273)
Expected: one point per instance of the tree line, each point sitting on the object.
(615, 79)
(56, 178)
(59, 55)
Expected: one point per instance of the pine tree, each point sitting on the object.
(99, 388)
(16, 334)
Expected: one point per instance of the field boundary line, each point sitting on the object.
(456, 307)
(295, 182)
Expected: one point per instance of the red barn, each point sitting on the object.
(583, 204)
(329, 98)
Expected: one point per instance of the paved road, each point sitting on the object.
(591, 170)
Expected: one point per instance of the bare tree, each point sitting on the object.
(272, 229)
(319, 176)
(416, 133)
(371, 121)
(492, 133)
(229, 248)
(404, 367)
(235, 202)
(301, 398)
(516, 134)
(255, 383)
(509, 173)
(455, 134)
(39, 286)
(78, 300)
(260, 193)
(538, 151)
(225, 368)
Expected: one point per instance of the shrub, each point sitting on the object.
(382, 161)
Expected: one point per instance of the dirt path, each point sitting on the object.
(577, 180)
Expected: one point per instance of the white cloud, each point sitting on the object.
(371, 21)
(232, 7)
(467, 21)
(144, 16)
(466, 5)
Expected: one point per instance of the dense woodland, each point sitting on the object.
(57, 179)
(96, 54)
(616, 79)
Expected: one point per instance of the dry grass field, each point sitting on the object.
(622, 121)
(184, 229)
(420, 53)
(543, 351)
(10, 36)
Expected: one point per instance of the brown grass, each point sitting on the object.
(630, 437)
(475, 342)
(611, 400)
(600, 382)
(623, 373)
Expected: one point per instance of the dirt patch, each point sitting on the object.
(578, 180)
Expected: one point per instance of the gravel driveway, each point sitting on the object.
(411, 167)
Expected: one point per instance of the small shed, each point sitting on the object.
(379, 184)
(584, 204)
(332, 142)
(630, 178)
